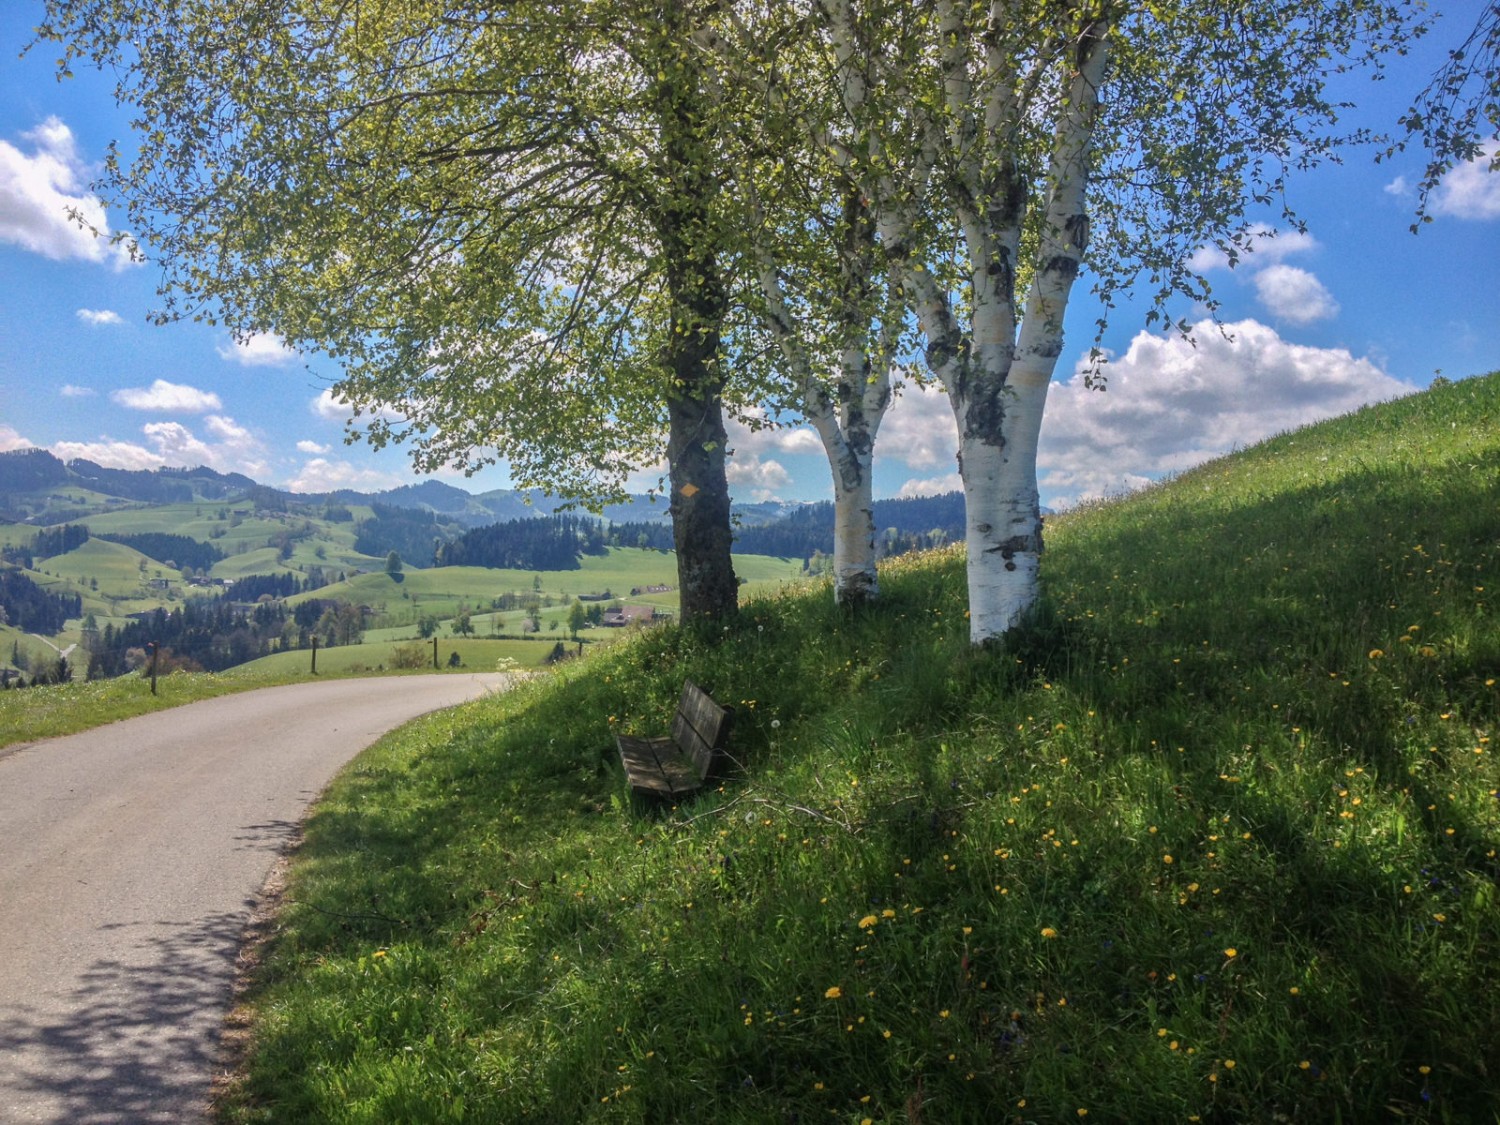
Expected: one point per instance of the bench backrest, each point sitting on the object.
(700, 727)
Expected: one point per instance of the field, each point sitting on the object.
(1214, 838)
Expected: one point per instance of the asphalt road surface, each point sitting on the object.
(130, 857)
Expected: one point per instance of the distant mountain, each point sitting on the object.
(414, 519)
(25, 471)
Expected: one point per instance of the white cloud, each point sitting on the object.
(1266, 246)
(918, 430)
(932, 486)
(100, 318)
(10, 439)
(334, 409)
(72, 390)
(177, 444)
(264, 349)
(761, 479)
(39, 192)
(109, 453)
(1398, 187)
(232, 448)
(311, 447)
(168, 397)
(753, 434)
(323, 475)
(1294, 294)
(227, 430)
(1469, 191)
(1171, 405)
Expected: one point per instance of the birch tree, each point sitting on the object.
(505, 224)
(1004, 145)
(835, 317)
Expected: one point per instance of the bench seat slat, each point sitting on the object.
(677, 765)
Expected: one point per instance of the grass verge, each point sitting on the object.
(1214, 839)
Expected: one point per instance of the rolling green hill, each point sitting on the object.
(1215, 838)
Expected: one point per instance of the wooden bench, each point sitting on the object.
(676, 765)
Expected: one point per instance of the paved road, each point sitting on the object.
(129, 859)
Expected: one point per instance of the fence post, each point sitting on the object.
(315, 654)
(434, 652)
(152, 646)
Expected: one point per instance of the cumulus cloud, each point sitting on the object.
(918, 430)
(1171, 405)
(175, 398)
(72, 390)
(1469, 191)
(1266, 246)
(311, 447)
(10, 439)
(40, 192)
(264, 349)
(1398, 187)
(1294, 294)
(331, 408)
(100, 318)
(109, 453)
(932, 486)
(758, 478)
(1288, 292)
(754, 434)
(322, 475)
(228, 447)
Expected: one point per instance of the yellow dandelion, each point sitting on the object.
(1048, 932)
(833, 993)
(1231, 952)
(867, 921)
(1376, 654)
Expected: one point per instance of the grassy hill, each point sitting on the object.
(1215, 839)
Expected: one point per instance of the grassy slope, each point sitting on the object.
(1216, 838)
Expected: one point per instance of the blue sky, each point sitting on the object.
(1358, 310)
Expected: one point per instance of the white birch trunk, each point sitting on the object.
(846, 415)
(1003, 519)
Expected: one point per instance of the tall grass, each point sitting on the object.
(1214, 839)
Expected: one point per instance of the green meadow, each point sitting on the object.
(1214, 838)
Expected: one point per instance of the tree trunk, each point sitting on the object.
(700, 504)
(854, 579)
(684, 206)
(1003, 519)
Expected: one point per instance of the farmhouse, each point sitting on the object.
(629, 615)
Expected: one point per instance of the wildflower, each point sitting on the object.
(1376, 654)
(1228, 1064)
(833, 993)
(867, 921)
(1048, 932)
(1231, 952)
